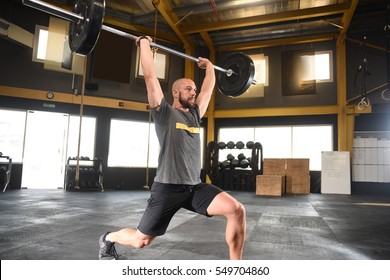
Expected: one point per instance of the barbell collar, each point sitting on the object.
(53, 10)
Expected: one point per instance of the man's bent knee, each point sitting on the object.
(238, 211)
(225, 205)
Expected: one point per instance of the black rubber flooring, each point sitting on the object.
(59, 225)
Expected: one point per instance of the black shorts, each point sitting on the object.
(166, 199)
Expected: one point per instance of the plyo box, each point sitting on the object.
(297, 165)
(295, 172)
(274, 166)
(297, 176)
(271, 185)
(297, 183)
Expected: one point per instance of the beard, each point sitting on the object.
(187, 103)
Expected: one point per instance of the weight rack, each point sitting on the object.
(234, 177)
(91, 174)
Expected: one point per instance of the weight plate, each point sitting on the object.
(237, 83)
(83, 34)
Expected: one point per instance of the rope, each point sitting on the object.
(150, 109)
(77, 176)
(155, 49)
(387, 30)
(155, 25)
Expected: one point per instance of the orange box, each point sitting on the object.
(298, 165)
(297, 183)
(272, 185)
(274, 166)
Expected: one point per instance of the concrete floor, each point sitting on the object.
(59, 225)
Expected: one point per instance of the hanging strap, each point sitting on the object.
(364, 101)
(77, 176)
(387, 29)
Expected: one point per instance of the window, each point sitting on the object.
(41, 43)
(129, 144)
(310, 141)
(12, 127)
(49, 42)
(284, 141)
(161, 63)
(87, 143)
(51, 47)
(276, 141)
(243, 134)
(302, 70)
(317, 67)
(261, 69)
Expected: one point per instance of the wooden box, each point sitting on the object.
(274, 166)
(297, 183)
(298, 165)
(272, 185)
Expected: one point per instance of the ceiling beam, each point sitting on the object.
(278, 42)
(363, 43)
(170, 17)
(347, 17)
(126, 26)
(269, 18)
(208, 41)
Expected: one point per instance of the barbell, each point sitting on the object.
(86, 22)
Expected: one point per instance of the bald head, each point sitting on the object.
(178, 84)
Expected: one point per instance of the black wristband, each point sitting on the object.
(140, 38)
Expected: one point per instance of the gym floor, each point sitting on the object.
(59, 225)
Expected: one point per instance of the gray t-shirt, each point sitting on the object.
(178, 135)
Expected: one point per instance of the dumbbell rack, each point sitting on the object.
(5, 171)
(229, 178)
(90, 178)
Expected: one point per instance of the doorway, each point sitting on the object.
(45, 150)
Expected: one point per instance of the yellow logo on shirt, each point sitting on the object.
(185, 127)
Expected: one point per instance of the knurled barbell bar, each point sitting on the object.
(86, 22)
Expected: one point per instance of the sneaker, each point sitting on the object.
(107, 249)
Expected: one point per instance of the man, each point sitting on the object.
(177, 183)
